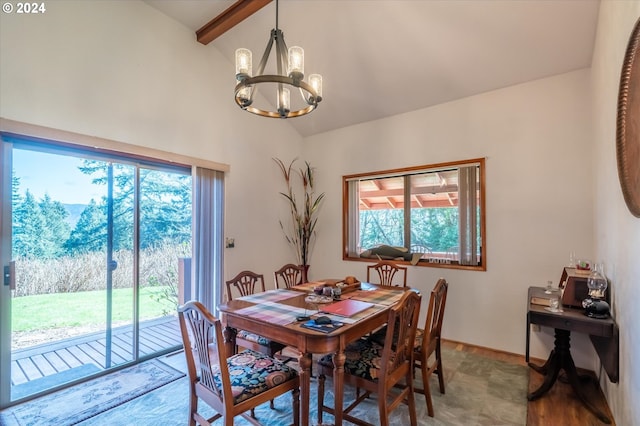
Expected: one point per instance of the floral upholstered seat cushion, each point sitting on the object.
(363, 358)
(251, 337)
(252, 373)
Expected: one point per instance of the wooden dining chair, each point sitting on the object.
(289, 275)
(234, 385)
(247, 283)
(386, 371)
(427, 342)
(386, 270)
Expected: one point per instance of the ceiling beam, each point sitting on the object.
(228, 19)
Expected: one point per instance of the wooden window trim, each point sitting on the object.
(409, 170)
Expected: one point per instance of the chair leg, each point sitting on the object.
(411, 402)
(271, 405)
(295, 394)
(440, 377)
(321, 379)
(383, 410)
(193, 408)
(440, 370)
(427, 389)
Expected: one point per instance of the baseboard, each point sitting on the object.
(494, 353)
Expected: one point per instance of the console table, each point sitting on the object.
(602, 332)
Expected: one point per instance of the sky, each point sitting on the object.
(55, 175)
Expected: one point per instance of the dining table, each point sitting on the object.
(275, 314)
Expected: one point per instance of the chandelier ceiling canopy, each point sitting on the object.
(289, 67)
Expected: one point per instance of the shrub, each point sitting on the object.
(85, 272)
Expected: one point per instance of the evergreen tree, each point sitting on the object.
(41, 230)
(165, 204)
(56, 229)
(89, 233)
(29, 225)
(165, 208)
(16, 200)
(15, 191)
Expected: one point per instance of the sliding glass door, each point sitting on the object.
(91, 244)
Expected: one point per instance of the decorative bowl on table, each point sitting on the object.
(348, 284)
(315, 299)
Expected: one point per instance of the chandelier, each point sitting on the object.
(290, 61)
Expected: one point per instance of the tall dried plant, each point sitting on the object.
(300, 233)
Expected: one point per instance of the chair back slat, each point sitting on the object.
(435, 314)
(402, 323)
(289, 275)
(245, 283)
(202, 333)
(386, 271)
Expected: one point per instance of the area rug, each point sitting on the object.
(86, 400)
(479, 391)
(47, 382)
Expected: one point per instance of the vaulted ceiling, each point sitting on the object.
(380, 58)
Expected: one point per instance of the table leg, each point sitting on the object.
(338, 386)
(574, 380)
(542, 369)
(550, 369)
(304, 360)
(229, 334)
(560, 358)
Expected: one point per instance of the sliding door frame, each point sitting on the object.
(5, 258)
(86, 144)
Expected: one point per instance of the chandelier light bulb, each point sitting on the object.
(315, 80)
(243, 62)
(244, 94)
(284, 101)
(296, 62)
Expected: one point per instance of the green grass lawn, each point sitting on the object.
(85, 308)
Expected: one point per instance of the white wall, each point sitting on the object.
(537, 141)
(121, 70)
(616, 231)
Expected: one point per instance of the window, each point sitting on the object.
(429, 215)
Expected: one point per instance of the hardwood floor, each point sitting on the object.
(559, 406)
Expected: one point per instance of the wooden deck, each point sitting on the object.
(82, 355)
